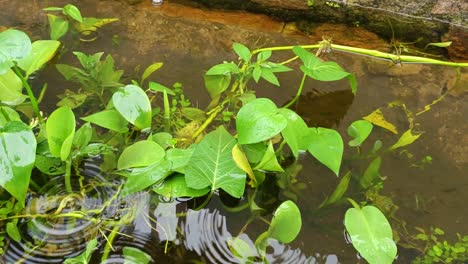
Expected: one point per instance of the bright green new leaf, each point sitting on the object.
(133, 104)
(359, 130)
(10, 89)
(212, 165)
(308, 59)
(254, 152)
(143, 153)
(84, 257)
(157, 87)
(407, 138)
(42, 52)
(135, 255)
(110, 119)
(326, 146)
(7, 114)
(17, 156)
(73, 12)
(259, 120)
(371, 234)
(372, 174)
(242, 51)
(58, 26)
(257, 73)
(296, 133)
(264, 55)
(49, 165)
(149, 70)
(216, 84)
(60, 128)
(269, 161)
(141, 178)
(286, 222)
(14, 45)
(176, 186)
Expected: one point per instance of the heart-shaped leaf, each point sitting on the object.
(42, 52)
(60, 128)
(259, 120)
(212, 165)
(176, 186)
(326, 146)
(133, 104)
(286, 222)
(296, 133)
(371, 234)
(73, 12)
(17, 156)
(359, 130)
(14, 45)
(140, 154)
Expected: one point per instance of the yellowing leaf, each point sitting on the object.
(242, 162)
(378, 119)
(405, 139)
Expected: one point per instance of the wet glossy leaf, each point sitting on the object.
(157, 87)
(141, 178)
(242, 51)
(338, 192)
(133, 104)
(216, 84)
(241, 249)
(17, 155)
(7, 115)
(378, 119)
(269, 161)
(296, 133)
(110, 119)
(60, 128)
(176, 186)
(73, 12)
(140, 154)
(13, 231)
(326, 146)
(259, 120)
(212, 165)
(150, 69)
(359, 130)
(14, 45)
(58, 26)
(179, 158)
(42, 52)
(135, 255)
(372, 174)
(406, 139)
(371, 234)
(84, 257)
(10, 88)
(286, 222)
(243, 163)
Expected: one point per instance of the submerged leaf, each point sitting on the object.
(378, 119)
(149, 70)
(372, 174)
(405, 139)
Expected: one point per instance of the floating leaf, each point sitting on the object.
(17, 156)
(60, 128)
(326, 146)
(242, 51)
(269, 161)
(140, 154)
(378, 119)
(212, 165)
(150, 69)
(359, 130)
(241, 249)
(110, 119)
(296, 133)
(372, 174)
(338, 192)
(133, 104)
(259, 120)
(371, 234)
(176, 186)
(42, 52)
(141, 178)
(405, 139)
(286, 222)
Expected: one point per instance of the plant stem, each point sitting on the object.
(206, 123)
(33, 100)
(68, 186)
(299, 92)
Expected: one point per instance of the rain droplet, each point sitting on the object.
(157, 2)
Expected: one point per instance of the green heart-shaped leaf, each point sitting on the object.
(60, 128)
(140, 154)
(326, 146)
(286, 222)
(359, 130)
(133, 104)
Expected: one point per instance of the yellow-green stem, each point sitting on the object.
(32, 98)
(299, 92)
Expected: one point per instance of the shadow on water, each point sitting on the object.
(173, 231)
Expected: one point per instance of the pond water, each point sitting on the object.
(189, 41)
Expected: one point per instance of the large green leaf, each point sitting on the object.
(371, 175)
(133, 104)
(259, 120)
(14, 45)
(296, 133)
(359, 130)
(17, 155)
(176, 186)
(60, 128)
(371, 234)
(286, 222)
(141, 178)
(110, 119)
(212, 165)
(326, 146)
(42, 52)
(140, 154)
(10, 88)
(179, 158)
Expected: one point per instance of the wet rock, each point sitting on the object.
(459, 48)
